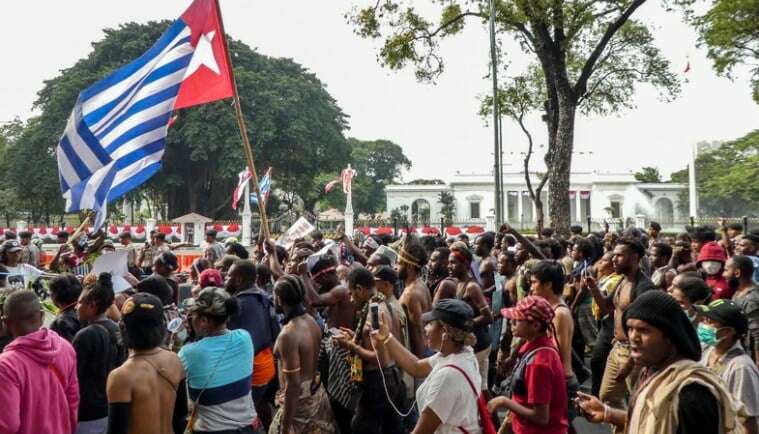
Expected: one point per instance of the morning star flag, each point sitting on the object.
(242, 180)
(264, 185)
(116, 134)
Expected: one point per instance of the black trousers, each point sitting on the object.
(374, 413)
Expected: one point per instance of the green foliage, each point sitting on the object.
(730, 31)
(295, 126)
(726, 179)
(648, 174)
(448, 206)
(426, 182)
(378, 164)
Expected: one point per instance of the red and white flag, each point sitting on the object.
(242, 180)
(331, 185)
(347, 177)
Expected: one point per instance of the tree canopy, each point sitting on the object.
(648, 174)
(730, 31)
(587, 56)
(295, 127)
(726, 178)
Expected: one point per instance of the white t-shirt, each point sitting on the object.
(21, 275)
(449, 394)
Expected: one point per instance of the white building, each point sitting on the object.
(602, 196)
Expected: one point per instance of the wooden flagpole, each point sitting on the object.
(244, 132)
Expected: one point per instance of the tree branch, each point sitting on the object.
(587, 69)
(459, 17)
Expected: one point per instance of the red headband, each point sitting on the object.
(460, 256)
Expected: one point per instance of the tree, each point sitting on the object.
(726, 179)
(294, 124)
(448, 208)
(730, 31)
(517, 98)
(426, 182)
(648, 174)
(590, 55)
(378, 164)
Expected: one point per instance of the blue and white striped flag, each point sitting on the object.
(264, 185)
(116, 134)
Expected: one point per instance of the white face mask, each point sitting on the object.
(711, 267)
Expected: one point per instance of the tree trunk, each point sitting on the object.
(561, 166)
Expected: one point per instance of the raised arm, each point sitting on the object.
(528, 245)
(407, 361)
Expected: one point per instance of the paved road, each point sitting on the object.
(584, 427)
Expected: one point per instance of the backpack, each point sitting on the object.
(486, 423)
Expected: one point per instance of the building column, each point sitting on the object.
(578, 204)
(520, 210)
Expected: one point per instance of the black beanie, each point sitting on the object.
(663, 312)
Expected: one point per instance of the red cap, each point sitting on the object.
(712, 251)
(532, 308)
(211, 277)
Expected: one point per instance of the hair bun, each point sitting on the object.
(105, 279)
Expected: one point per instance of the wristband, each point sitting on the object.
(387, 339)
(606, 413)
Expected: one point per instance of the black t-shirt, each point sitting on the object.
(99, 350)
(697, 411)
(66, 324)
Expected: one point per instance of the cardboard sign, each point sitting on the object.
(299, 229)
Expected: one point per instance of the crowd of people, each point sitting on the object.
(640, 330)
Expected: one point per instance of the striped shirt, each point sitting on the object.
(223, 365)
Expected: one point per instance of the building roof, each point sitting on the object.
(192, 218)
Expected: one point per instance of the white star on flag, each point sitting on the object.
(203, 55)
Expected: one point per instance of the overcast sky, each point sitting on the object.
(437, 125)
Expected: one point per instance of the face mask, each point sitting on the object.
(707, 335)
(711, 267)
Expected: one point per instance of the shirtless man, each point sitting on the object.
(626, 258)
(147, 393)
(415, 298)
(329, 293)
(302, 401)
(374, 414)
(465, 288)
(438, 268)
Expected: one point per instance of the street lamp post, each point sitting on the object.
(496, 144)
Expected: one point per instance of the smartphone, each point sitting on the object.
(374, 308)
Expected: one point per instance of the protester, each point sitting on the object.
(146, 394)
(437, 268)
(64, 292)
(378, 374)
(125, 239)
(711, 259)
(415, 298)
(660, 255)
(99, 350)
(19, 275)
(219, 367)
(676, 394)
(213, 250)
(154, 246)
(720, 332)
(690, 291)
(748, 245)
(465, 288)
(39, 390)
(303, 404)
(654, 229)
(31, 253)
(447, 399)
(547, 281)
(257, 316)
(605, 282)
(538, 383)
(738, 273)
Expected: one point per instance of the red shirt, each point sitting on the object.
(545, 384)
(719, 286)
